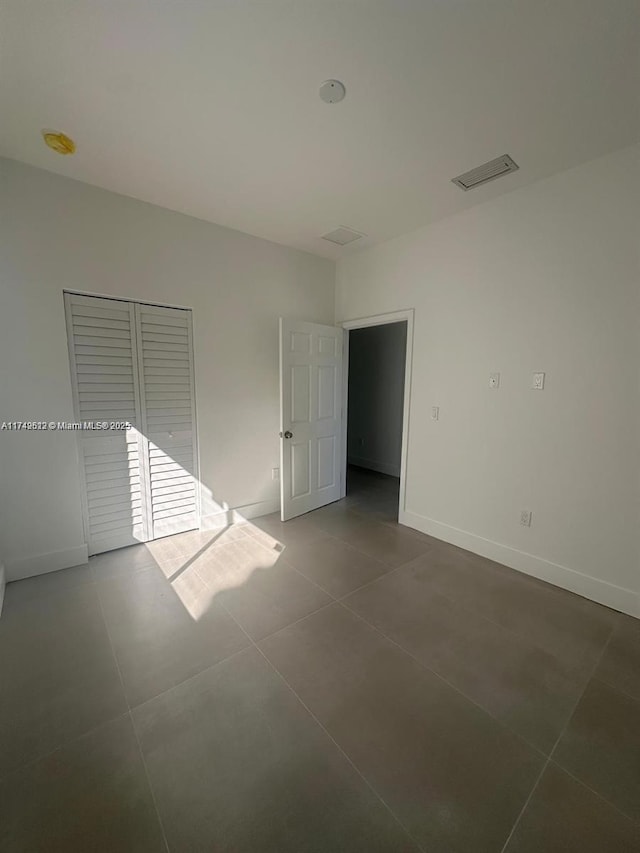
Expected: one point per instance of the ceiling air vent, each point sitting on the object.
(487, 172)
(342, 236)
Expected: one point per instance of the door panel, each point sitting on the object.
(311, 410)
(168, 409)
(102, 349)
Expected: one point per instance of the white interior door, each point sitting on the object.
(310, 416)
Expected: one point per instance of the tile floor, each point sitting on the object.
(335, 683)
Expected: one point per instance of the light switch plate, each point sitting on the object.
(435, 413)
(538, 382)
(494, 380)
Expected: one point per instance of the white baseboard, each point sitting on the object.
(236, 515)
(41, 564)
(374, 465)
(616, 597)
(3, 583)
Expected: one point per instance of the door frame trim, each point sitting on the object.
(408, 315)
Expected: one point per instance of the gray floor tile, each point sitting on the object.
(260, 590)
(58, 676)
(335, 566)
(269, 529)
(381, 507)
(393, 545)
(601, 746)
(121, 562)
(237, 764)
(164, 632)
(455, 777)
(272, 599)
(48, 584)
(531, 691)
(337, 519)
(192, 545)
(620, 665)
(567, 626)
(90, 795)
(565, 817)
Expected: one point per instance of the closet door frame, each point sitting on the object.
(143, 441)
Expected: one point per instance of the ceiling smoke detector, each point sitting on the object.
(332, 91)
(485, 173)
(341, 236)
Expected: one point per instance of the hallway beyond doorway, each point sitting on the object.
(373, 494)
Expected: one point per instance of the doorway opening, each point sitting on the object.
(376, 389)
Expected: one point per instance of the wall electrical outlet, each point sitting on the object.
(525, 517)
(494, 380)
(275, 473)
(537, 382)
(435, 413)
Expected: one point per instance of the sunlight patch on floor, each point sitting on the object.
(200, 565)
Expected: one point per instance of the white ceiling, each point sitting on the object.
(211, 107)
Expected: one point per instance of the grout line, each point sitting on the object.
(377, 559)
(583, 691)
(570, 664)
(190, 678)
(558, 739)
(524, 807)
(428, 669)
(43, 757)
(317, 721)
(308, 579)
(593, 791)
(135, 733)
(344, 754)
(615, 688)
(148, 778)
(289, 624)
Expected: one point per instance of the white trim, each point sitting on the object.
(84, 506)
(3, 583)
(42, 564)
(383, 320)
(237, 515)
(616, 597)
(134, 299)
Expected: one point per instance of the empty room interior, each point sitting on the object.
(320, 428)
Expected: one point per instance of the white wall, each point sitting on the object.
(545, 278)
(377, 357)
(56, 233)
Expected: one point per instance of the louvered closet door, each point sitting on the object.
(168, 407)
(102, 347)
(133, 362)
